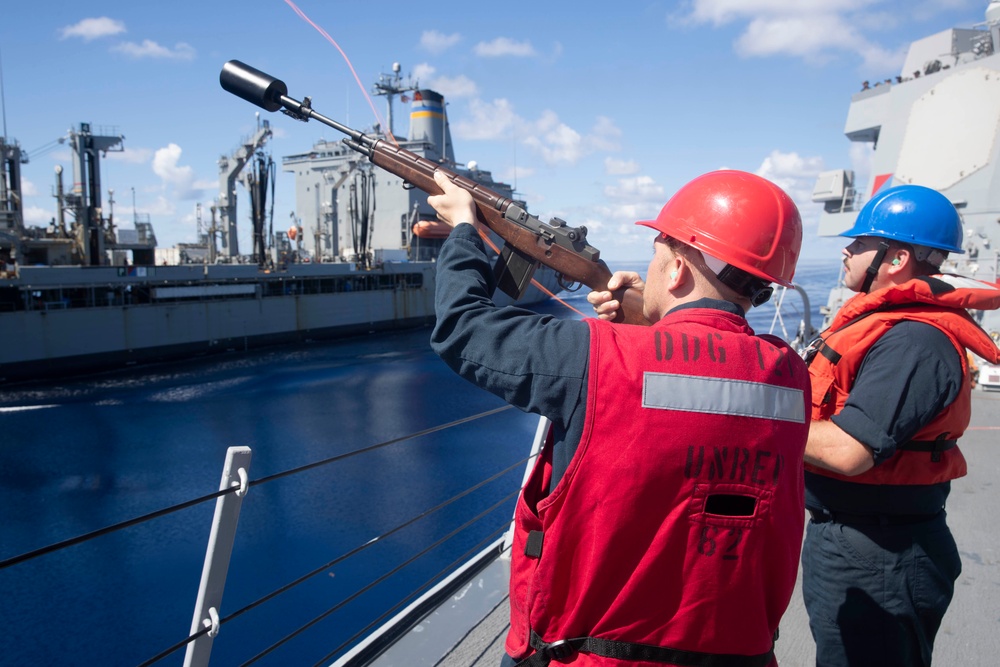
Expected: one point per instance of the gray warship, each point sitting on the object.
(935, 124)
(85, 294)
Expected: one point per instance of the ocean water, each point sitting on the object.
(79, 455)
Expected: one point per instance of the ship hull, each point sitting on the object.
(178, 312)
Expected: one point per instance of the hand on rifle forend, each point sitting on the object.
(455, 205)
(604, 304)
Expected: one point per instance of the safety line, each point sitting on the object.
(379, 580)
(339, 559)
(109, 529)
(15, 560)
(418, 591)
(418, 434)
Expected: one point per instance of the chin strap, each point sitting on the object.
(756, 289)
(872, 270)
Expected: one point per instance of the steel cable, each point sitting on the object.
(379, 579)
(15, 560)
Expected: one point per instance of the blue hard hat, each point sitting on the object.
(911, 214)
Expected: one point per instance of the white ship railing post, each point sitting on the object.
(217, 555)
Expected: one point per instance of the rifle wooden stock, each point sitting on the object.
(490, 208)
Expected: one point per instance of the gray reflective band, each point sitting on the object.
(663, 391)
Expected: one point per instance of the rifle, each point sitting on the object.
(527, 240)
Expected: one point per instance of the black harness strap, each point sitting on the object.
(609, 648)
(820, 346)
(935, 447)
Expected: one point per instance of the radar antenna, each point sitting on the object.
(391, 85)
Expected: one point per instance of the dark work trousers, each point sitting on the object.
(876, 594)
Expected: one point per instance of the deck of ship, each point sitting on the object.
(969, 634)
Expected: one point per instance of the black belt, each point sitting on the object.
(826, 516)
(609, 648)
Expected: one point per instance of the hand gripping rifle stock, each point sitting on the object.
(528, 240)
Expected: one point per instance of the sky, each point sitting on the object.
(596, 113)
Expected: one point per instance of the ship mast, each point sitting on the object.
(391, 85)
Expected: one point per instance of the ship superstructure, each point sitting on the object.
(935, 124)
(82, 233)
(346, 206)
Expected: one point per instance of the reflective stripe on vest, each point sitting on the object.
(722, 396)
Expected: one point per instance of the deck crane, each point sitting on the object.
(230, 167)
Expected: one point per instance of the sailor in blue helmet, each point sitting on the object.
(891, 397)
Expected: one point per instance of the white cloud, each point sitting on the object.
(423, 71)
(616, 167)
(453, 87)
(131, 155)
(150, 49)
(28, 188)
(486, 120)
(793, 173)
(504, 46)
(638, 189)
(437, 42)
(815, 38)
(35, 216)
(720, 12)
(809, 29)
(512, 175)
(556, 142)
(91, 29)
(161, 207)
(179, 178)
(604, 136)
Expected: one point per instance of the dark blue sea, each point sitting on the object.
(79, 455)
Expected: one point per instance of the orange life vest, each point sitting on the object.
(932, 456)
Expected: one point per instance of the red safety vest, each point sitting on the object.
(932, 455)
(678, 521)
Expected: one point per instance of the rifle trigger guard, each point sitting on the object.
(408, 186)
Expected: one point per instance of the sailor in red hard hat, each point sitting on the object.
(662, 522)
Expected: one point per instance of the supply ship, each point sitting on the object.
(85, 294)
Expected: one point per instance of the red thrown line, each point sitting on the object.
(346, 59)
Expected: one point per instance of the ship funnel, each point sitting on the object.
(429, 122)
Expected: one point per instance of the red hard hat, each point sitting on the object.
(737, 217)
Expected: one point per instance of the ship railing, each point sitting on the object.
(235, 487)
(785, 310)
(850, 200)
